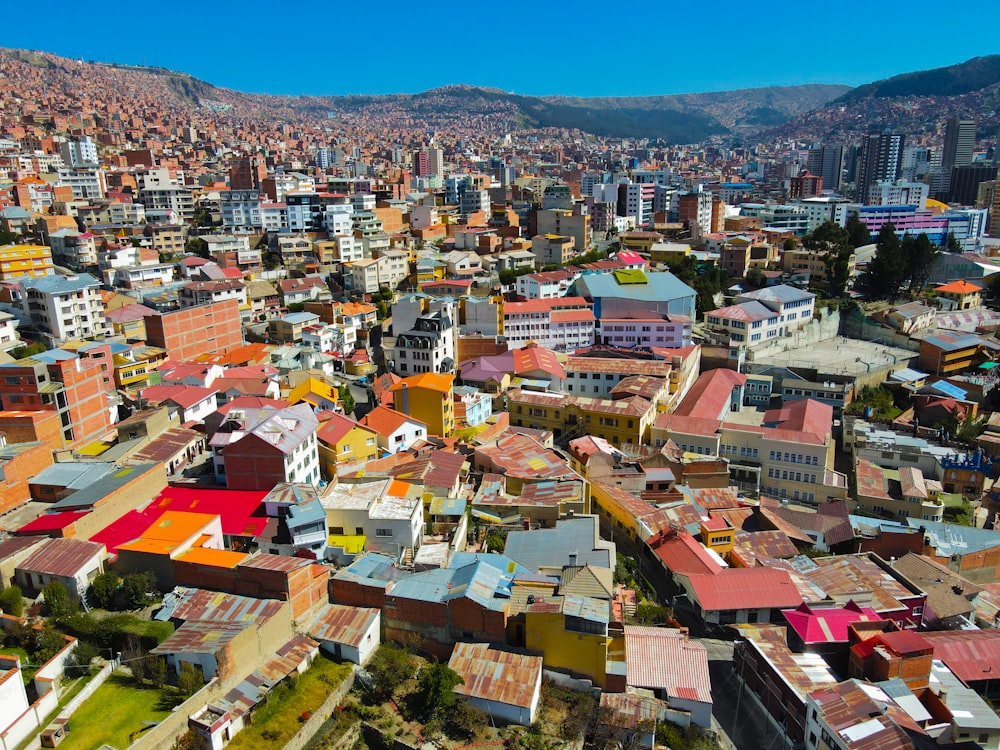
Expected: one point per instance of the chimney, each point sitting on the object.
(572, 559)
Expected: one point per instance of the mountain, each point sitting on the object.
(681, 118)
(952, 80)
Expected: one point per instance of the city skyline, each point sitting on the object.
(395, 62)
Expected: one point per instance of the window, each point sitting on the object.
(383, 532)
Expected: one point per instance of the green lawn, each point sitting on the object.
(114, 711)
(275, 723)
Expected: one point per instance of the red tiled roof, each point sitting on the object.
(959, 287)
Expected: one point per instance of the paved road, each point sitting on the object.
(738, 721)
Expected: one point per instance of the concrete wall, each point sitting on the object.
(812, 332)
(855, 325)
(172, 727)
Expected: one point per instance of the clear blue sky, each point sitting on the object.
(587, 48)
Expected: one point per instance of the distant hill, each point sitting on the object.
(952, 80)
(681, 118)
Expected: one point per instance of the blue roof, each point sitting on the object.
(660, 286)
(781, 293)
(300, 317)
(952, 539)
(54, 355)
(59, 284)
(543, 548)
(947, 389)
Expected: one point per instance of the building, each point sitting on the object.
(255, 449)
(880, 160)
(762, 316)
(629, 293)
(960, 295)
(387, 515)
(959, 144)
(565, 223)
(949, 353)
(396, 431)
(563, 324)
(371, 274)
(827, 162)
(505, 685)
(349, 633)
(72, 562)
(427, 347)
(65, 307)
(429, 398)
(78, 387)
(193, 331)
(673, 666)
(25, 260)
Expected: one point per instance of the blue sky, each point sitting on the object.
(587, 48)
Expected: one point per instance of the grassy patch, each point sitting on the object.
(275, 723)
(116, 710)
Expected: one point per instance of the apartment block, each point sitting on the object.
(192, 331)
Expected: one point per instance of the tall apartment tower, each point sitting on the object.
(435, 161)
(879, 161)
(247, 173)
(421, 163)
(827, 162)
(959, 143)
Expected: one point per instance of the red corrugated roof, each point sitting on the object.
(745, 588)
(827, 625)
(52, 522)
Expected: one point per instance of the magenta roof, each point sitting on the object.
(827, 625)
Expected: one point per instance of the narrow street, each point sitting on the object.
(736, 718)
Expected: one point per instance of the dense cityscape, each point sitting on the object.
(465, 419)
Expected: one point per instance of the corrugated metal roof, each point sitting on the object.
(62, 557)
(495, 675)
(341, 624)
(663, 658)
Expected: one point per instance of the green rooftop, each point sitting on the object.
(631, 276)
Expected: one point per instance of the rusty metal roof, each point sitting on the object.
(665, 658)
(491, 674)
(62, 557)
(341, 624)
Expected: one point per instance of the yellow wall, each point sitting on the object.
(434, 408)
(357, 439)
(582, 653)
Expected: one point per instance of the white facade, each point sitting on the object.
(649, 332)
(335, 337)
(85, 183)
(545, 285)
(822, 209)
(67, 307)
(240, 209)
(562, 330)
(899, 193)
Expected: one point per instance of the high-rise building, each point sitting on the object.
(247, 173)
(965, 181)
(79, 152)
(827, 162)
(959, 142)
(805, 185)
(879, 161)
(435, 161)
(421, 163)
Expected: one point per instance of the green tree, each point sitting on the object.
(833, 243)
(887, 270)
(755, 278)
(920, 253)
(137, 589)
(189, 679)
(12, 601)
(952, 244)
(7, 238)
(464, 721)
(197, 246)
(390, 667)
(104, 588)
(56, 599)
(27, 350)
(157, 668)
(48, 643)
(650, 613)
(436, 689)
(346, 398)
(857, 232)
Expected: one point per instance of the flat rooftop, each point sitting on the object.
(841, 356)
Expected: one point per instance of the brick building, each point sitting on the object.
(192, 331)
(77, 386)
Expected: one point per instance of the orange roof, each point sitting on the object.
(386, 421)
(176, 526)
(216, 558)
(959, 287)
(434, 381)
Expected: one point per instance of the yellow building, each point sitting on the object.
(316, 393)
(619, 421)
(960, 295)
(133, 367)
(718, 534)
(571, 632)
(25, 260)
(341, 440)
(428, 397)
